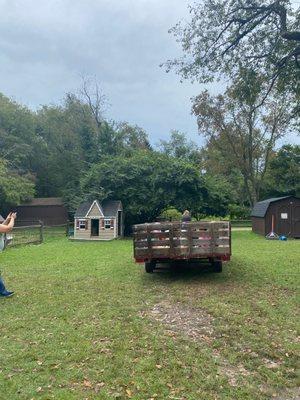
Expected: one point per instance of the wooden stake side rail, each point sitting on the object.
(182, 240)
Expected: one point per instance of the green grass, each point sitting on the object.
(74, 328)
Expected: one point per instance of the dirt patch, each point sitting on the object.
(290, 394)
(194, 323)
(197, 325)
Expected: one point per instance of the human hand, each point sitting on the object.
(13, 215)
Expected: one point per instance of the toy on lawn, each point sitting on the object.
(283, 237)
(272, 235)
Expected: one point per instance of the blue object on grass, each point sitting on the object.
(282, 237)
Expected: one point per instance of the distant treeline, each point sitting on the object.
(71, 151)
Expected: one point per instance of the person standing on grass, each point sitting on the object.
(6, 227)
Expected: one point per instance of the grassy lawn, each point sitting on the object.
(88, 323)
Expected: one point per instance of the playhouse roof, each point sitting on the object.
(109, 208)
(260, 208)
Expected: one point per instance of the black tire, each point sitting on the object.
(150, 266)
(217, 266)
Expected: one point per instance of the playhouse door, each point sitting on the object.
(95, 227)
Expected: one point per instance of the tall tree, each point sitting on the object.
(283, 176)
(18, 140)
(224, 35)
(243, 131)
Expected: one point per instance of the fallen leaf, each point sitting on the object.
(87, 383)
(99, 386)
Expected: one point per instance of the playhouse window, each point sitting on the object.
(82, 224)
(107, 223)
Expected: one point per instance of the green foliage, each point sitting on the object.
(18, 141)
(13, 187)
(237, 211)
(219, 195)
(223, 36)
(67, 150)
(180, 147)
(171, 214)
(243, 131)
(147, 183)
(284, 172)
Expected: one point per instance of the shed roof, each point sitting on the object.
(44, 201)
(108, 207)
(260, 208)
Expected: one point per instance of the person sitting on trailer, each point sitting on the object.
(186, 216)
(6, 227)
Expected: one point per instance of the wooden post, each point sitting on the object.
(171, 240)
(149, 242)
(41, 232)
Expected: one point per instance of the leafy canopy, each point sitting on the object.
(223, 36)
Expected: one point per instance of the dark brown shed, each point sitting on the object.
(286, 214)
(50, 210)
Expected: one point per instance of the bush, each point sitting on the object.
(171, 214)
(238, 212)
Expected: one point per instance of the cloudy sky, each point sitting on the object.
(46, 46)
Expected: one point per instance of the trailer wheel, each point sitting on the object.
(217, 266)
(150, 266)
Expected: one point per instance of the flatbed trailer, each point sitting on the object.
(160, 242)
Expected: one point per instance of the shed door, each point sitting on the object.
(284, 220)
(296, 222)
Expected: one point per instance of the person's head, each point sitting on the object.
(186, 213)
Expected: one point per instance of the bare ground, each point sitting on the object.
(197, 325)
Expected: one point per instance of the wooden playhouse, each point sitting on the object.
(99, 221)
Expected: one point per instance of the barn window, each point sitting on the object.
(107, 223)
(82, 224)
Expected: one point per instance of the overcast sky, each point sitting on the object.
(47, 45)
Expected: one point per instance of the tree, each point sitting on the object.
(180, 147)
(129, 138)
(14, 188)
(219, 196)
(242, 130)
(18, 140)
(283, 176)
(147, 183)
(223, 36)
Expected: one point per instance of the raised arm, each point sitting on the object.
(8, 223)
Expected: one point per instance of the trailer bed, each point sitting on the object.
(167, 241)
